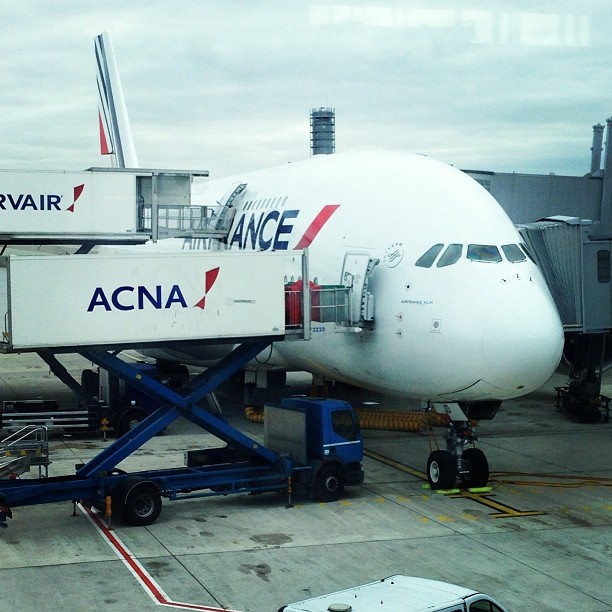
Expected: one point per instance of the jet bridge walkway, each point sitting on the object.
(575, 256)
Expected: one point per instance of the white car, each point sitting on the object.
(400, 594)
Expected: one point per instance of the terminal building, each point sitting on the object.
(530, 197)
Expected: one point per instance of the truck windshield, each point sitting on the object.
(483, 605)
(344, 424)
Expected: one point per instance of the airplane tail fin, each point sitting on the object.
(115, 132)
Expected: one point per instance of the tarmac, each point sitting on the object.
(540, 540)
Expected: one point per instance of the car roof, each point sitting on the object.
(406, 593)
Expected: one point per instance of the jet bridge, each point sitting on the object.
(575, 257)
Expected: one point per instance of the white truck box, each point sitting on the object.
(53, 202)
(399, 594)
(132, 299)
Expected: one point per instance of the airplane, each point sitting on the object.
(453, 309)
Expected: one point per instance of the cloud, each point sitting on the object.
(228, 85)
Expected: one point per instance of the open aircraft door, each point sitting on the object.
(356, 272)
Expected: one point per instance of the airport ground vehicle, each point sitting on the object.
(106, 402)
(311, 445)
(400, 593)
(126, 300)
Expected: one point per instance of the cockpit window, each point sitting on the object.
(484, 252)
(528, 252)
(426, 260)
(513, 253)
(451, 255)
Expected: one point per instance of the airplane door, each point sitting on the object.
(356, 271)
(228, 210)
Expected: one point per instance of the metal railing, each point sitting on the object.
(177, 218)
(31, 442)
(327, 305)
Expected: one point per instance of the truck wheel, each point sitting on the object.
(441, 470)
(329, 482)
(130, 419)
(142, 504)
(90, 381)
(475, 461)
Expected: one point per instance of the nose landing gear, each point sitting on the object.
(470, 465)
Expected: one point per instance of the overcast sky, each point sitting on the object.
(228, 85)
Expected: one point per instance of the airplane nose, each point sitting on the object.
(522, 340)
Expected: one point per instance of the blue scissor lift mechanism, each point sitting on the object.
(253, 468)
(96, 478)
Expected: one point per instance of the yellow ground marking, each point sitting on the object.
(503, 510)
(395, 464)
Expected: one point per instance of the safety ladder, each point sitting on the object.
(27, 447)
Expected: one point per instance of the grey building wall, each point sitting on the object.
(530, 197)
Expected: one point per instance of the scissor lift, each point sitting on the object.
(97, 304)
(329, 437)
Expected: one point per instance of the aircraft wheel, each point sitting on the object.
(441, 470)
(475, 461)
(329, 483)
(142, 504)
(130, 419)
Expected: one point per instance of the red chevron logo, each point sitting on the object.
(209, 281)
(78, 190)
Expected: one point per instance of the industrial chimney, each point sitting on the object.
(596, 149)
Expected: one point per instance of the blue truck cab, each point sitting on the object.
(320, 434)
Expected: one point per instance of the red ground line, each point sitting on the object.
(151, 587)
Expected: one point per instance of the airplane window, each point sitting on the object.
(426, 260)
(483, 252)
(528, 252)
(451, 255)
(513, 253)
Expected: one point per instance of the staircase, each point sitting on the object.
(27, 447)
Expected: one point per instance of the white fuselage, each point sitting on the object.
(477, 329)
